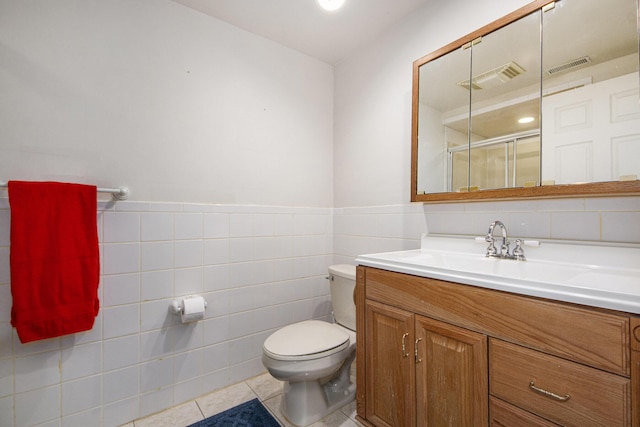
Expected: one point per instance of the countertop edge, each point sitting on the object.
(613, 301)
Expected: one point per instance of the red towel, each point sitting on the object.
(54, 258)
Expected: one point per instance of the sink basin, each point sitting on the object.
(594, 275)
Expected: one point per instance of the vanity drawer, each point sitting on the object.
(502, 414)
(582, 396)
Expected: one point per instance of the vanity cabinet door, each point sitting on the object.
(451, 375)
(389, 378)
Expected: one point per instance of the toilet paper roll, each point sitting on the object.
(193, 308)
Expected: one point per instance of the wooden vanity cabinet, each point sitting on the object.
(451, 380)
(436, 353)
(412, 358)
(389, 368)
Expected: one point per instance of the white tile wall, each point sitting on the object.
(258, 267)
(377, 229)
(389, 228)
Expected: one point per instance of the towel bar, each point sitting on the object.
(120, 193)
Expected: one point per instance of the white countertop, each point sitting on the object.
(593, 275)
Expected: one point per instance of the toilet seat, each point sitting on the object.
(310, 339)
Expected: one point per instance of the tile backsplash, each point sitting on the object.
(614, 220)
(259, 268)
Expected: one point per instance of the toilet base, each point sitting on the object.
(306, 402)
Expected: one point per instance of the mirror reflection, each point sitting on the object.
(540, 101)
(438, 128)
(505, 107)
(590, 105)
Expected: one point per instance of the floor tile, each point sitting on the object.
(273, 405)
(350, 410)
(265, 386)
(337, 419)
(223, 399)
(181, 415)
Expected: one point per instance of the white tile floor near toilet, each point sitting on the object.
(264, 387)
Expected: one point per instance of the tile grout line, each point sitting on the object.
(199, 408)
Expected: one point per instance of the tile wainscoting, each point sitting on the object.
(259, 267)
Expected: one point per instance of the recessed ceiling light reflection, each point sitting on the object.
(331, 5)
(526, 120)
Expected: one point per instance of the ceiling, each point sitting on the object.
(304, 26)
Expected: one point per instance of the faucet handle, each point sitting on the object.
(518, 252)
(492, 251)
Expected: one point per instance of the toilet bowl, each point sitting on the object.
(314, 357)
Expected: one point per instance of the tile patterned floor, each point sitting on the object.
(263, 387)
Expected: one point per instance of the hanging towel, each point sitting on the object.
(54, 258)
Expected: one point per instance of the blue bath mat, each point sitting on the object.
(248, 414)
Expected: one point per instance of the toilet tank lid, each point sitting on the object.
(347, 271)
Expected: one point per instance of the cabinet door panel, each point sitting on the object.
(451, 375)
(390, 380)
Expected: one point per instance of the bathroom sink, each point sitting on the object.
(594, 275)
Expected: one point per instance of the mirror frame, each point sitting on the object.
(596, 189)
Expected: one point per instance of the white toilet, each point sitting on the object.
(314, 357)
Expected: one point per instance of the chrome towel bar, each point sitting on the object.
(120, 193)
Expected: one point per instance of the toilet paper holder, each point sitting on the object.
(177, 307)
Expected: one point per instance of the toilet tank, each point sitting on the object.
(342, 280)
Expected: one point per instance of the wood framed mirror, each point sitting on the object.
(578, 91)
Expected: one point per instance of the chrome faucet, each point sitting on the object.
(492, 251)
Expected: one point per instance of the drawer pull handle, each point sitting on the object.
(415, 354)
(404, 346)
(532, 386)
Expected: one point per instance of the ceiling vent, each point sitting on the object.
(493, 78)
(569, 65)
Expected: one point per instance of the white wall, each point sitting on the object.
(373, 100)
(172, 103)
(225, 140)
